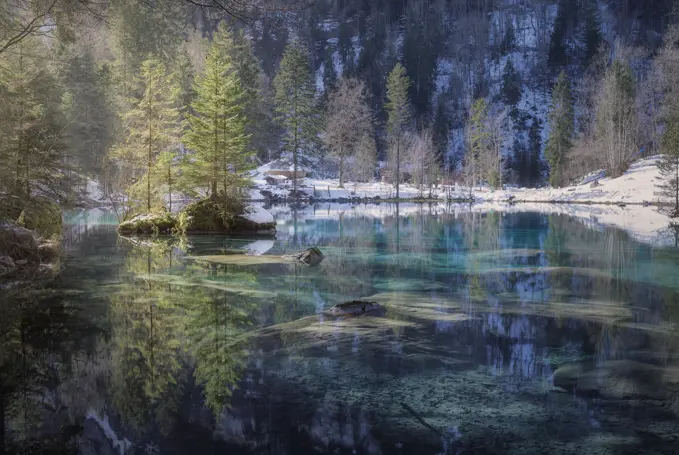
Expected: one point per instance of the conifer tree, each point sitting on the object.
(593, 37)
(398, 111)
(217, 126)
(32, 125)
(511, 84)
(152, 128)
(561, 124)
(478, 140)
(296, 102)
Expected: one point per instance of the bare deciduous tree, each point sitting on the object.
(616, 118)
(422, 159)
(349, 120)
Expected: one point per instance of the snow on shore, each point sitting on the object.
(636, 186)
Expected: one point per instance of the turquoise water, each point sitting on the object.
(502, 333)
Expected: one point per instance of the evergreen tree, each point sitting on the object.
(511, 85)
(478, 140)
(32, 126)
(217, 127)
(398, 111)
(296, 102)
(563, 24)
(441, 130)
(534, 151)
(88, 108)
(151, 126)
(508, 40)
(561, 124)
(593, 37)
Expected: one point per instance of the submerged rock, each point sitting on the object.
(617, 379)
(310, 256)
(354, 308)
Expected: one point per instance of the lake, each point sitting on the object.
(501, 333)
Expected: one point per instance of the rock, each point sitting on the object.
(93, 440)
(616, 379)
(49, 249)
(18, 243)
(7, 265)
(310, 256)
(149, 223)
(207, 216)
(354, 308)
(255, 221)
(42, 216)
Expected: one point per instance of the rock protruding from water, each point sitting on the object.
(355, 308)
(310, 256)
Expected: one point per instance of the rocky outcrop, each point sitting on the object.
(355, 308)
(310, 257)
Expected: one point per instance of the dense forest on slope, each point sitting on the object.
(155, 98)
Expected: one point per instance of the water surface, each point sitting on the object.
(503, 333)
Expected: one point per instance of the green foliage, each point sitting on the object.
(216, 132)
(561, 118)
(42, 216)
(478, 139)
(152, 128)
(32, 126)
(295, 101)
(149, 224)
(211, 215)
(511, 85)
(593, 36)
(398, 112)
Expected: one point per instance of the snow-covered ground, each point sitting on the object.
(637, 186)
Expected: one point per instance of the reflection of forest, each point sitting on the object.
(482, 308)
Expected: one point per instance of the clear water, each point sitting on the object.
(503, 333)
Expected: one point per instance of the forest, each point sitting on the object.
(161, 100)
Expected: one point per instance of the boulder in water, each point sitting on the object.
(616, 379)
(310, 256)
(354, 308)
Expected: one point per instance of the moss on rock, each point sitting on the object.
(207, 216)
(149, 223)
(42, 216)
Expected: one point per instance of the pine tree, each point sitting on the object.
(593, 37)
(296, 102)
(561, 124)
(152, 128)
(534, 150)
(441, 130)
(511, 85)
(32, 126)
(88, 109)
(398, 111)
(478, 140)
(217, 127)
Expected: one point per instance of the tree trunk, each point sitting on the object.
(398, 164)
(148, 172)
(341, 169)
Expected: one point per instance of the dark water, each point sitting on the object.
(503, 333)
